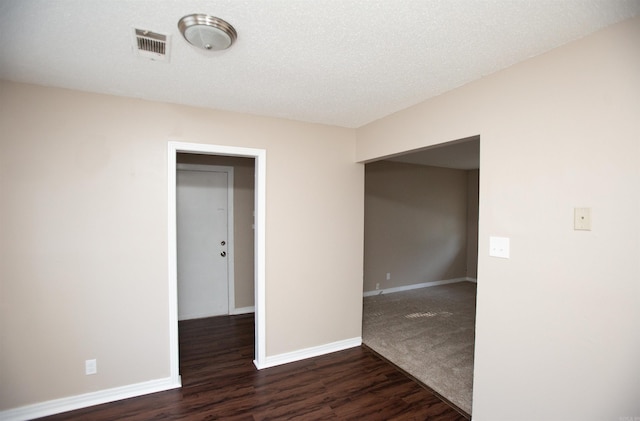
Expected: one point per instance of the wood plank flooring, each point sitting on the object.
(220, 382)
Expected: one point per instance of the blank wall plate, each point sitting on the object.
(499, 247)
(90, 367)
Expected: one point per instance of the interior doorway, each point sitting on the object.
(421, 237)
(259, 157)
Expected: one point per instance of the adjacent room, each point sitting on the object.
(215, 258)
(420, 264)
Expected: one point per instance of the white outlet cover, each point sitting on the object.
(499, 247)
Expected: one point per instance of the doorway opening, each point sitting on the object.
(259, 157)
(420, 268)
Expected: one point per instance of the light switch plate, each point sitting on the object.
(499, 247)
(582, 219)
(90, 367)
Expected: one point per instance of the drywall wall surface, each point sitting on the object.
(558, 323)
(415, 224)
(83, 239)
(473, 179)
(243, 208)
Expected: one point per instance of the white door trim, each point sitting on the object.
(231, 299)
(260, 156)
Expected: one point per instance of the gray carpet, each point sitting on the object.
(429, 333)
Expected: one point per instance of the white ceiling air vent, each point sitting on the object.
(151, 45)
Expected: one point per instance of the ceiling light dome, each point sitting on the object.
(207, 32)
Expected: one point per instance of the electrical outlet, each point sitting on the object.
(499, 247)
(377, 285)
(388, 276)
(90, 367)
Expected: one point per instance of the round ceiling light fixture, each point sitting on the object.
(207, 32)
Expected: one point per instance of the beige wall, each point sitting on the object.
(415, 224)
(557, 331)
(243, 207)
(83, 238)
(473, 178)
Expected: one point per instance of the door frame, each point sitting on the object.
(260, 156)
(231, 298)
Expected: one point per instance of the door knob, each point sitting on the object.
(222, 243)
(224, 253)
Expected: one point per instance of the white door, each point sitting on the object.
(201, 208)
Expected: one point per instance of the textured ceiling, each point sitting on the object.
(339, 62)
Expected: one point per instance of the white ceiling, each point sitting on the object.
(339, 62)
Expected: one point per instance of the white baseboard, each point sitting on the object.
(474, 280)
(234, 312)
(414, 286)
(315, 351)
(242, 310)
(194, 316)
(71, 403)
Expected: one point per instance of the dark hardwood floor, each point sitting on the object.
(220, 382)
